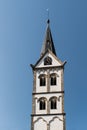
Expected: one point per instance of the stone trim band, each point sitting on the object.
(47, 92)
(61, 114)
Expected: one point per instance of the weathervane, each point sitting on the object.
(48, 21)
(48, 13)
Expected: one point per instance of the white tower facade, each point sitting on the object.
(48, 88)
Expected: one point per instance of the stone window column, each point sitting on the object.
(48, 107)
(48, 81)
(34, 105)
(34, 82)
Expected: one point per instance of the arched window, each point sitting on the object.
(42, 103)
(53, 103)
(42, 79)
(53, 79)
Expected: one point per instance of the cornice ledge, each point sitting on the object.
(47, 92)
(60, 114)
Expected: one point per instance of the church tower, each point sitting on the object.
(48, 88)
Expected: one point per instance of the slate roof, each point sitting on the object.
(48, 41)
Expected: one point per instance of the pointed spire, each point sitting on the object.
(48, 42)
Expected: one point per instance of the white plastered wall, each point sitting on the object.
(55, 122)
(56, 87)
(48, 96)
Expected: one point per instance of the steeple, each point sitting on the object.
(48, 41)
(48, 89)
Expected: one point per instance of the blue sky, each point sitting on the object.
(22, 30)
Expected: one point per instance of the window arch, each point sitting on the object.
(53, 103)
(42, 103)
(53, 79)
(42, 80)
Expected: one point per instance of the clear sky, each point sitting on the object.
(22, 30)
